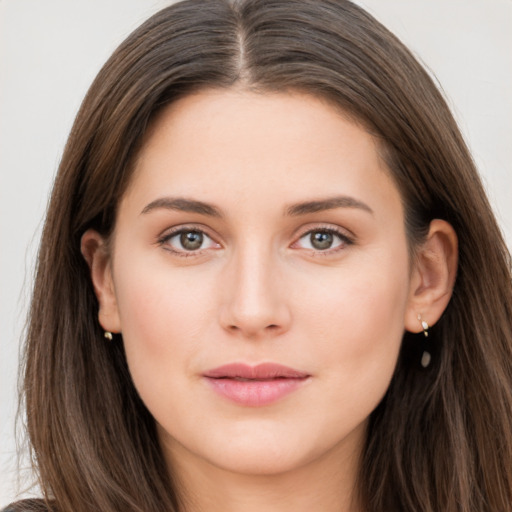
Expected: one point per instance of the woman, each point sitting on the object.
(269, 279)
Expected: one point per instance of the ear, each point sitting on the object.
(94, 249)
(433, 276)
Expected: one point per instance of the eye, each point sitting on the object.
(323, 240)
(188, 240)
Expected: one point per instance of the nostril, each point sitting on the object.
(269, 328)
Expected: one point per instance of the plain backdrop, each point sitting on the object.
(51, 50)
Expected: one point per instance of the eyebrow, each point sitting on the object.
(183, 205)
(327, 204)
(202, 208)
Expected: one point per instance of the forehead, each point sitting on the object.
(226, 145)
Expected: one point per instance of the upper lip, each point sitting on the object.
(263, 371)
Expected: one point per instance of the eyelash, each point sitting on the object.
(344, 239)
(179, 231)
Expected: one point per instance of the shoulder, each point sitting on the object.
(27, 506)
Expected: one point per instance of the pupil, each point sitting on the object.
(321, 240)
(191, 240)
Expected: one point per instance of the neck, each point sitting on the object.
(328, 484)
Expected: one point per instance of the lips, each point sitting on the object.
(255, 386)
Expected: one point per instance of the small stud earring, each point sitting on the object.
(424, 325)
(108, 335)
(426, 357)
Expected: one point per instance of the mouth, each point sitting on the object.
(255, 386)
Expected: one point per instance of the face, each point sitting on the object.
(260, 278)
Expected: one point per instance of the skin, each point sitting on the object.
(259, 290)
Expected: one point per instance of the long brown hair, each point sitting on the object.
(441, 439)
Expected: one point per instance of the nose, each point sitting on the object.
(255, 303)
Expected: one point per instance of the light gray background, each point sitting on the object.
(51, 50)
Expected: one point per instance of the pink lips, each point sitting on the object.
(255, 386)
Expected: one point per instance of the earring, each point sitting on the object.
(108, 335)
(426, 356)
(424, 325)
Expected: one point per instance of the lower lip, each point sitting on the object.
(255, 393)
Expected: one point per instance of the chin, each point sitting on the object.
(261, 461)
(257, 449)
(267, 449)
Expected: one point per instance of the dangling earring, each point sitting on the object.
(426, 356)
(108, 335)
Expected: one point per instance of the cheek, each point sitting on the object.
(162, 316)
(356, 318)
